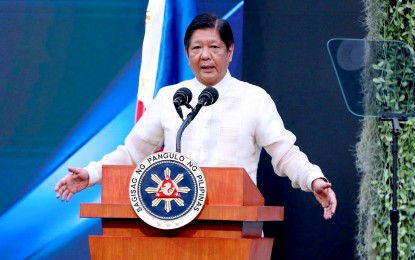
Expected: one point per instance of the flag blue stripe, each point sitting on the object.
(172, 64)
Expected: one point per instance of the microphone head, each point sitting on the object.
(183, 96)
(209, 96)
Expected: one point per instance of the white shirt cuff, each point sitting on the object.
(94, 176)
(313, 176)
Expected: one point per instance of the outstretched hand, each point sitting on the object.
(326, 196)
(73, 182)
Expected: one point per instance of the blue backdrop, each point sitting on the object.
(68, 84)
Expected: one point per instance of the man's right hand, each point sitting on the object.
(73, 182)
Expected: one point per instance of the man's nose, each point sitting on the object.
(205, 53)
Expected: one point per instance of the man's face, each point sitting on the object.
(208, 57)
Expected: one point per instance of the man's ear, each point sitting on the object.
(230, 52)
(187, 54)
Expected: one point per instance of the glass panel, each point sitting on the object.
(376, 77)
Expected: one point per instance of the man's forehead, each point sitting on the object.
(210, 35)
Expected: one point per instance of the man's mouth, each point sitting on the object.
(206, 67)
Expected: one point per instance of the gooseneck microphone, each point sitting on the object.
(206, 98)
(183, 96)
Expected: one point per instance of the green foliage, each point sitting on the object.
(392, 73)
(388, 81)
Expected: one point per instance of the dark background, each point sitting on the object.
(285, 53)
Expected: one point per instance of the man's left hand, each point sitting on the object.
(326, 196)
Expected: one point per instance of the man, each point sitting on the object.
(230, 133)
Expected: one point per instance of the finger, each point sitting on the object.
(59, 184)
(325, 185)
(333, 205)
(321, 193)
(68, 198)
(324, 200)
(320, 184)
(327, 214)
(325, 204)
(65, 195)
(329, 211)
(60, 191)
(73, 170)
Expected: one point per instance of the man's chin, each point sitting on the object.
(208, 80)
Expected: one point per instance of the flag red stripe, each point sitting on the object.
(140, 108)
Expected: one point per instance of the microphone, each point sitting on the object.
(208, 97)
(183, 96)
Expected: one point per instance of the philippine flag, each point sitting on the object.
(163, 59)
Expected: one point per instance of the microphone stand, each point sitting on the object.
(207, 97)
(185, 123)
(394, 212)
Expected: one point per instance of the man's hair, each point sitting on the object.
(206, 21)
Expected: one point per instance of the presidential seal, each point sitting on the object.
(167, 190)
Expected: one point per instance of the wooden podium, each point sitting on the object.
(228, 227)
